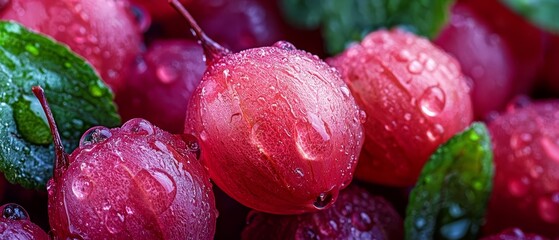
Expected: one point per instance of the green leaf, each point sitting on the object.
(541, 12)
(450, 197)
(347, 21)
(78, 99)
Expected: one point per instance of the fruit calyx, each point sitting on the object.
(212, 50)
(61, 157)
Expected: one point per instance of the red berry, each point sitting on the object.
(279, 129)
(415, 98)
(162, 83)
(103, 32)
(550, 71)
(484, 58)
(513, 234)
(526, 183)
(355, 215)
(15, 224)
(136, 181)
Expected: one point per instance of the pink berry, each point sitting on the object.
(136, 181)
(15, 224)
(279, 129)
(103, 32)
(526, 156)
(160, 86)
(415, 98)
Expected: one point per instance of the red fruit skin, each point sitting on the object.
(102, 31)
(525, 41)
(550, 71)
(160, 86)
(415, 98)
(139, 183)
(514, 234)
(526, 182)
(357, 214)
(484, 58)
(278, 127)
(21, 229)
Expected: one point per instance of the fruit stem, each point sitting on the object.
(61, 157)
(212, 50)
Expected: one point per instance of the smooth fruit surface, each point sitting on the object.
(415, 98)
(526, 155)
(357, 214)
(101, 31)
(279, 129)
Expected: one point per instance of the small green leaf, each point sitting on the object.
(450, 197)
(541, 12)
(78, 99)
(347, 21)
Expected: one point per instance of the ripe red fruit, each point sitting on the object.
(415, 98)
(513, 234)
(159, 87)
(133, 182)
(102, 31)
(15, 224)
(279, 129)
(484, 58)
(356, 214)
(550, 71)
(526, 156)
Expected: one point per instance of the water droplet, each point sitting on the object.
(138, 126)
(432, 101)
(430, 64)
(345, 91)
(159, 186)
(519, 187)
(313, 137)
(436, 133)
(284, 45)
(362, 221)
(114, 221)
(548, 208)
(14, 211)
(404, 56)
(455, 210)
(166, 73)
(226, 74)
(323, 200)
(415, 67)
(192, 144)
(455, 230)
(362, 116)
(81, 187)
(299, 172)
(203, 135)
(407, 116)
(420, 223)
(550, 148)
(95, 135)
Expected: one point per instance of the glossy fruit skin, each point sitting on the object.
(415, 98)
(526, 183)
(484, 58)
(278, 128)
(133, 182)
(357, 214)
(101, 31)
(514, 234)
(15, 224)
(160, 86)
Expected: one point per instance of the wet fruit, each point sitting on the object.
(15, 224)
(514, 234)
(101, 31)
(136, 181)
(526, 154)
(357, 214)
(279, 129)
(415, 98)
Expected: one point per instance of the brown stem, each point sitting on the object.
(212, 50)
(61, 157)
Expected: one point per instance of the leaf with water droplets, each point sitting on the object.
(450, 197)
(78, 98)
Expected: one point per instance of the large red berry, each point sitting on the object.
(356, 214)
(550, 71)
(526, 183)
(279, 129)
(101, 31)
(415, 98)
(15, 224)
(484, 59)
(161, 84)
(133, 182)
